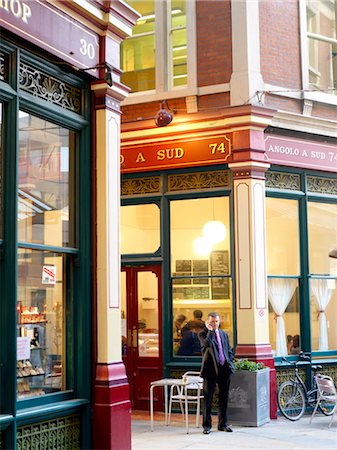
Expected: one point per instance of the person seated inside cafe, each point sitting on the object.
(190, 344)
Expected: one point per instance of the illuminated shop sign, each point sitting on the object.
(182, 153)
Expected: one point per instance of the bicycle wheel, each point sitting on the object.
(291, 400)
(324, 407)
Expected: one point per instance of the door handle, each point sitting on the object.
(129, 338)
(134, 338)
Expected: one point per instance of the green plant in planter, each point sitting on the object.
(245, 364)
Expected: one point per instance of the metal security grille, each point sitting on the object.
(58, 434)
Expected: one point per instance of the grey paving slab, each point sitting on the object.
(280, 434)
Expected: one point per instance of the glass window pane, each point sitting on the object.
(41, 319)
(322, 230)
(138, 51)
(200, 269)
(282, 237)
(178, 37)
(46, 182)
(140, 229)
(284, 320)
(323, 306)
(148, 327)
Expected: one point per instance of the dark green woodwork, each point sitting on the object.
(44, 97)
(57, 434)
(280, 180)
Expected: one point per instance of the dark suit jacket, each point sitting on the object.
(210, 352)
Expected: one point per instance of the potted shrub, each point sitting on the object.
(248, 401)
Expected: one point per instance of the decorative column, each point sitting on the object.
(112, 408)
(248, 173)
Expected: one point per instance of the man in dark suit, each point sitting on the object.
(216, 368)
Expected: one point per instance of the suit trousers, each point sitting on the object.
(223, 381)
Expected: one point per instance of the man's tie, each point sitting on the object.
(221, 355)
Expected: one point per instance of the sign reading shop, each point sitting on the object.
(182, 153)
(44, 25)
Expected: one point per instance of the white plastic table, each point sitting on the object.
(164, 382)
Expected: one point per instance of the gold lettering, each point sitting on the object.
(122, 159)
(221, 148)
(140, 158)
(213, 148)
(160, 155)
(179, 152)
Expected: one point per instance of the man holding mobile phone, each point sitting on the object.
(216, 369)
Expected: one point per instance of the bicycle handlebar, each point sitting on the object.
(301, 356)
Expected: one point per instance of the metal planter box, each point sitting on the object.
(249, 398)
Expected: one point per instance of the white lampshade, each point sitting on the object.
(202, 247)
(214, 231)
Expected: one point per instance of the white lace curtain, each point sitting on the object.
(322, 295)
(280, 292)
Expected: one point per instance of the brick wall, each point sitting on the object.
(280, 43)
(214, 46)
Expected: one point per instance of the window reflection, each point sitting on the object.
(40, 319)
(45, 171)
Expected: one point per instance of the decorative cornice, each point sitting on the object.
(305, 124)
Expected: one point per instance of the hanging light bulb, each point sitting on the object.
(214, 231)
(202, 247)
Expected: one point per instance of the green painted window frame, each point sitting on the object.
(304, 196)
(78, 309)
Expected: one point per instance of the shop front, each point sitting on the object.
(55, 72)
(239, 224)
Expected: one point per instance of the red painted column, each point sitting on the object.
(248, 173)
(112, 408)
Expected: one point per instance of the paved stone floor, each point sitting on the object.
(280, 434)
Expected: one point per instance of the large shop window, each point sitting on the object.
(161, 30)
(283, 268)
(46, 195)
(322, 44)
(322, 230)
(200, 269)
(1, 176)
(140, 229)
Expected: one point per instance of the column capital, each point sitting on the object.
(249, 169)
(108, 97)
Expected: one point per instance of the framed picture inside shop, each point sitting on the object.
(220, 266)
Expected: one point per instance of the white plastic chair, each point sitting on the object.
(188, 393)
(327, 392)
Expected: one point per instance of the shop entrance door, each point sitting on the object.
(141, 330)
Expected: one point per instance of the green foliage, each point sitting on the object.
(245, 364)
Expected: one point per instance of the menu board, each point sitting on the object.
(220, 266)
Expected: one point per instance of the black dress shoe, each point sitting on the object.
(206, 431)
(226, 428)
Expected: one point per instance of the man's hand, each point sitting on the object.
(209, 326)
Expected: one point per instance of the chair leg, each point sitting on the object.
(332, 415)
(315, 409)
(197, 420)
(186, 412)
(170, 407)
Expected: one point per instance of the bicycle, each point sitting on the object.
(293, 396)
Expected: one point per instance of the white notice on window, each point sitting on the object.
(49, 274)
(23, 347)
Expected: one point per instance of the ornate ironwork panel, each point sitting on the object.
(330, 371)
(199, 180)
(284, 375)
(322, 185)
(280, 180)
(62, 433)
(3, 66)
(144, 185)
(49, 88)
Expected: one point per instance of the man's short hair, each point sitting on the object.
(213, 314)
(197, 314)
